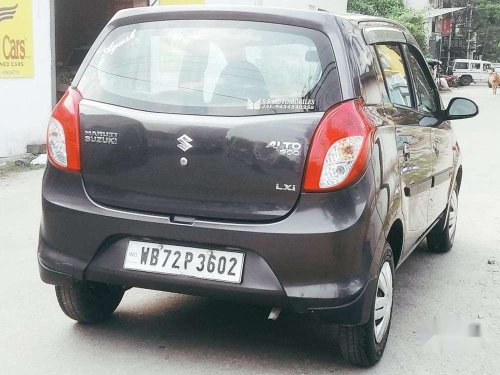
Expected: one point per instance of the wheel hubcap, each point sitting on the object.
(452, 215)
(383, 302)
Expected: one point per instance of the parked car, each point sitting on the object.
(66, 71)
(280, 157)
(469, 71)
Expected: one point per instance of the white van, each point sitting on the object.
(469, 71)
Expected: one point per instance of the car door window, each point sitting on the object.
(393, 68)
(424, 93)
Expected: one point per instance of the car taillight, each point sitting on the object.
(63, 142)
(340, 148)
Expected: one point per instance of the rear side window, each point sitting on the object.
(461, 65)
(392, 63)
(233, 68)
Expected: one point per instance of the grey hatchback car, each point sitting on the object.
(280, 157)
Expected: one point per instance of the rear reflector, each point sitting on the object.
(340, 148)
(63, 142)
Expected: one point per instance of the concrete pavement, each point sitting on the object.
(154, 332)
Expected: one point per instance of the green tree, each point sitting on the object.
(486, 24)
(395, 10)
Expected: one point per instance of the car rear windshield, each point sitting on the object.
(208, 67)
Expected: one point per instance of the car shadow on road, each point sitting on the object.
(186, 329)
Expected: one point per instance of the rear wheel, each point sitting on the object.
(364, 345)
(465, 80)
(89, 302)
(440, 238)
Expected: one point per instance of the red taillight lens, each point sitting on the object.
(340, 148)
(63, 133)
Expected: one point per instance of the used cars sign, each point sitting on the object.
(16, 40)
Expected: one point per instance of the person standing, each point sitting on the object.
(494, 80)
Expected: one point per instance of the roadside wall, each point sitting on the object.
(25, 103)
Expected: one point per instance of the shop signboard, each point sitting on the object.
(16, 39)
(446, 27)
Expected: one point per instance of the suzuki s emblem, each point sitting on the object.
(184, 142)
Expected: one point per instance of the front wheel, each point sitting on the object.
(440, 239)
(89, 302)
(364, 345)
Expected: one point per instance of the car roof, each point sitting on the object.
(298, 17)
(200, 10)
(228, 9)
(362, 18)
(472, 60)
(313, 19)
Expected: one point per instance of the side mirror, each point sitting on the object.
(460, 108)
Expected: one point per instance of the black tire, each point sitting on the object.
(358, 344)
(465, 80)
(440, 239)
(89, 302)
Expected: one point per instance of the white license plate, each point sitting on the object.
(186, 261)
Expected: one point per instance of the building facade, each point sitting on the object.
(460, 39)
(450, 29)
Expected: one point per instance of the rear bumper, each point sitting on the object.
(320, 258)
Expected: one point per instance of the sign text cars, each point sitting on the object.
(16, 39)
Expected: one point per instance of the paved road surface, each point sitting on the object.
(154, 332)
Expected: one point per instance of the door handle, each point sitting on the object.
(406, 151)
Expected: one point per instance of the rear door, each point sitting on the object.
(413, 140)
(204, 118)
